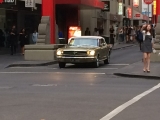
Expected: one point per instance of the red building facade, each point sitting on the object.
(49, 9)
(157, 7)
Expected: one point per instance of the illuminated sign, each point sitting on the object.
(135, 3)
(129, 10)
(154, 7)
(74, 31)
(120, 10)
(8, 1)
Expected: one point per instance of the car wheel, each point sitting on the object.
(62, 65)
(107, 61)
(96, 64)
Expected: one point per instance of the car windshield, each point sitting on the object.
(83, 42)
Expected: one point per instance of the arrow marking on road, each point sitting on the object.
(130, 102)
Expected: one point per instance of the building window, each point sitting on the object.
(129, 2)
(124, 1)
(124, 11)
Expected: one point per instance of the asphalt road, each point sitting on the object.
(78, 92)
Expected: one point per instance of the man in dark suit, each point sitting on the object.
(13, 40)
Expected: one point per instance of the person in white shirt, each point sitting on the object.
(95, 32)
(35, 36)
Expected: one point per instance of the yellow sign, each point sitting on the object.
(154, 7)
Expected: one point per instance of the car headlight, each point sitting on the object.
(59, 52)
(91, 52)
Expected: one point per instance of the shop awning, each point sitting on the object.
(139, 16)
(136, 15)
(91, 3)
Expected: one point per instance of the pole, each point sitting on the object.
(132, 14)
(148, 13)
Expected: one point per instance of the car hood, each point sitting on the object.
(82, 48)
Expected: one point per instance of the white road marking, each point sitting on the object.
(46, 85)
(53, 68)
(107, 65)
(31, 67)
(5, 87)
(119, 64)
(51, 72)
(107, 68)
(130, 102)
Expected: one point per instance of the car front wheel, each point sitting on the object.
(107, 61)
(62, 65)
(96, 64)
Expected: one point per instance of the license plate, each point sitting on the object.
(74, 60)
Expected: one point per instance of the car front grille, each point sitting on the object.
(75, 53)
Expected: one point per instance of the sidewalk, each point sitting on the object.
(18, 60)
(136, 71)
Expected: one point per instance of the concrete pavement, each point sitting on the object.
(76, 92)
(136, 70)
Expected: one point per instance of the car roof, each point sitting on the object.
(93, 37)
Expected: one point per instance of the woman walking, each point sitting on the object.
(22, 39)
(147, 47)
(111, 31)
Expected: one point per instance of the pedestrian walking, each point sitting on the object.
(147, 47)
(120, 37)
(13, 40)
(95, 32)
(112, 35)
(22, 39)
(140, 37)
(87, 32)
(35, 36)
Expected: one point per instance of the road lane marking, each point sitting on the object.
(44, 85)
(107, 65)
(55, 68)
(31, 67)
(5, 87)
(129, 103)
(119, 64)
(51, 72)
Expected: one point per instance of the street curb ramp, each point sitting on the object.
(137, 76)
(31, 65)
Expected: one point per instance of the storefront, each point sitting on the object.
(66, 12)
(138, 18)
(115, 20)
(17, 14)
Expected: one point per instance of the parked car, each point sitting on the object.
(84, 49)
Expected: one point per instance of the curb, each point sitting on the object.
(137, 76)
(123, 47)
(31, 65)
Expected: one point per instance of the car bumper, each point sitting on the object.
(76, 59)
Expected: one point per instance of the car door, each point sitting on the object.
(104, 48)
(100, 50)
